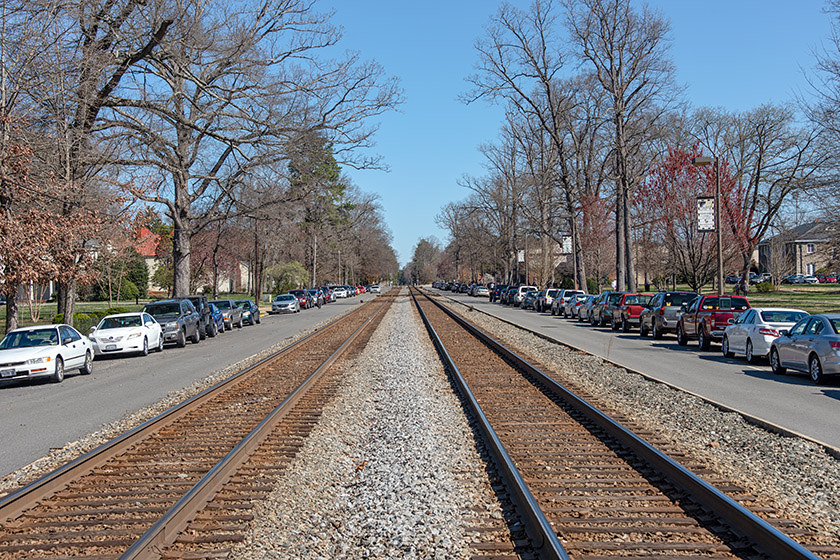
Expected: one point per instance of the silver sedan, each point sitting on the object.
(812, 346)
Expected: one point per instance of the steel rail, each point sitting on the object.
(536, 525)
(765, 537)
(167, 529)
(15, 503)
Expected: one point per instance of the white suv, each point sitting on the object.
(520, 294)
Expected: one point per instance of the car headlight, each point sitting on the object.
(134, 335)
(40, 360)
(170, 327)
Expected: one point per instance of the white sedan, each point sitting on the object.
(752, 333)
(340, 292)
(127, 333)
(44, 351)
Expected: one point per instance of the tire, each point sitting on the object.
(724, 346)
(776, 363)
(58, 375)
(816, 371)
(212, 330)
(657, 332)
(182, 338)
(259, 320)
(160, 343)
(625, 326)
(202, 333)
(751, 358)
(614, 324)
(702, 340)
(196, 338)
(601, 321)
(564, 313)
(643, 332)
(145, 350)
(553, 313)
(682, 340)
(240, 323)
(592, 319)
(87, 368)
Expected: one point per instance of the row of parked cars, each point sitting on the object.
(295, 300)
(53, 350)
(787, 338)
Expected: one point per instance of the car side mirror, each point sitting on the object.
(91, 330)
(684, 307)
(730, 321)
(784, 332)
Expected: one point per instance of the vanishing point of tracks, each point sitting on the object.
(182, 484)
(587, 487)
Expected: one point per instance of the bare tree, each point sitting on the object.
(627, 51)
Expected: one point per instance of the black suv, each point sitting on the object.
(178, 318)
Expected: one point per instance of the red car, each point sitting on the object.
(628, 310)
(706, 317)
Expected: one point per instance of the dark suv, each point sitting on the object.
(206, 326)
(178, 319)
(663, 313)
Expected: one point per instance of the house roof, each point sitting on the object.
(147, 242)
(813, 232)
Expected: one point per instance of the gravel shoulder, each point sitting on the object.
(796, 475)
(391, 470)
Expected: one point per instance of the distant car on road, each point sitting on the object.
(44, 351)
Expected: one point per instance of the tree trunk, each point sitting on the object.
(11, 308)
(628, 240)
(181, 262)
(66, 299)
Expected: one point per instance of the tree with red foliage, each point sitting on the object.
(669, 205)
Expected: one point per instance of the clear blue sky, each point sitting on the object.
(736, 54)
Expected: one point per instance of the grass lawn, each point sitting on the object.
(813, 298)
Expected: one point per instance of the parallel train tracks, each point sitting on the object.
(182, 484)
(586, 486)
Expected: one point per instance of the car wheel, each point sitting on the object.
(725, 348)
(259, 319)
(657, 332)
(601, 321)
(58, 375)
(643, 331)
(160, 343)
(213, 330)
(553, 311)
(182, 338)
(145, 350)
(776, 363)
(564, 314)
(202, 333)
(87, 368)
(816, 371)
(614, 324)
(240, 323)
(625, 325)
(748, 352)
(196, 338)
(703, 340)
(682, 340)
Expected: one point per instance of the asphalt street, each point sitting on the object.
(39, 416)
(790, 401)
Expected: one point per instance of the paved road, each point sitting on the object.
(39, 416)
(790, 401)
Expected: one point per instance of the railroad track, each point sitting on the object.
(182, 485)
(585, 485)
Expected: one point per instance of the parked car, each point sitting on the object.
(286, 303)
(202, 306)
(812, 346)
(496, 292)
(126, 333)
(250, 311)
(217, 317)
(518, 294)
(482, 291)
(507, 294)
(178, 318)
(574, 304)
(661, 314)
(231, 312)
(753, 332)
(375, 289)
(317, 297)
(304, 299)
(800, 279)
(593, 314)
(560, 299)
(585, 311)
(627, 311)
(602, 312)
(340, 292)
(529, 299)
(44, 351)
(706, 318)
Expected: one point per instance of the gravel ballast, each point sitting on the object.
(391, 470)
(798, 476)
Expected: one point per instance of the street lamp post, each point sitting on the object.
(701, 161)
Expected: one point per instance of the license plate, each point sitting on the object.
(110, 347)
(7, 372)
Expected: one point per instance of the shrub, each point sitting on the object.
(58, 318)
(765, 287)
(591, 286)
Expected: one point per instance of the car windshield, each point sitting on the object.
(26, 339)
(120, 322)
(223, 304)
(780, 316)
(678, 299)
(287, 297)
(163, 309)
(725, 303)
(243, 303)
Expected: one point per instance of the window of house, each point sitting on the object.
(809, 249)
(810, 269)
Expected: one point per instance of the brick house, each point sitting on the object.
(802, 250)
